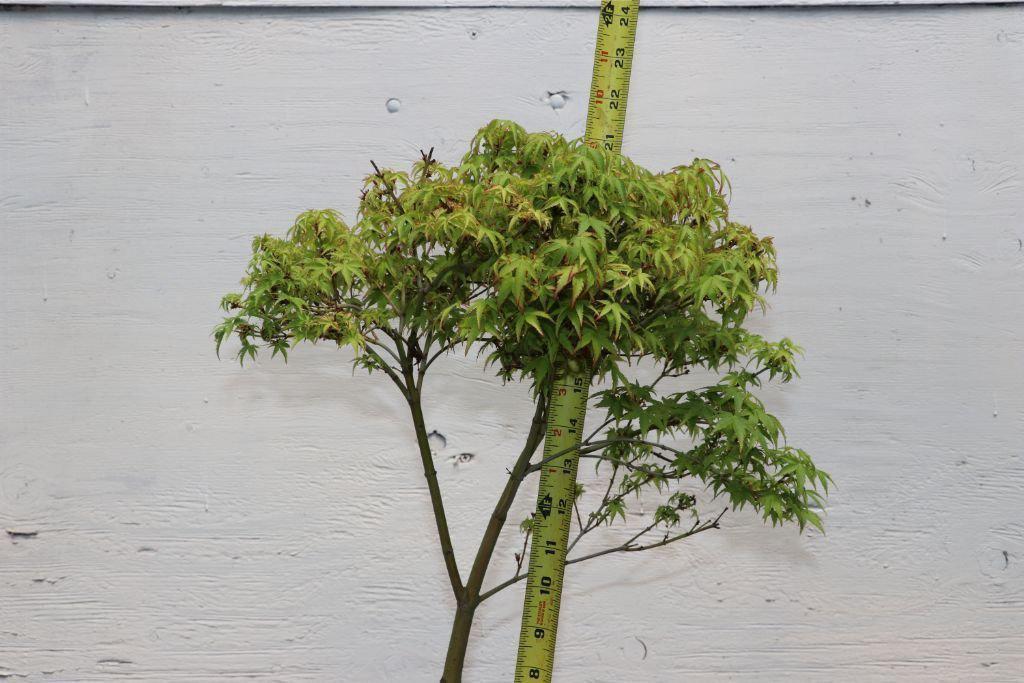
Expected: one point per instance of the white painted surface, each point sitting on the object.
(198, 521)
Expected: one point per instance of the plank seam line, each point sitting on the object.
(278, 5)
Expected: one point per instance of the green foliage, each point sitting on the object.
(536, 250)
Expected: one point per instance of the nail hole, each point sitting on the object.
(437, 441)
(557, 99)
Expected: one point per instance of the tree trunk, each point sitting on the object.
(469, 597)
(457, 644)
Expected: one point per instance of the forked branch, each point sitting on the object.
(630, 546)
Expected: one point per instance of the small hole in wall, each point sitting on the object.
(556, 99)
(437, 441)
(463, 458)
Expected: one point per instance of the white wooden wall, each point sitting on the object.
(173, 517)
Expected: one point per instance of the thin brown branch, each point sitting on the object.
(390, 371)
(521, 556)
(630, 547)
(383, 347)
(651, 472)
(501, 508)
(501, 586)
(591, 517)
(696, 529)
(588, 448)
(436, 499)
(440, 352)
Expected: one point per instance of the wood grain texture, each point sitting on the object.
(174, 517)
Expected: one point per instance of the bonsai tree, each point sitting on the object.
(536, 252)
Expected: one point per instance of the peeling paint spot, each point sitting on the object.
(49, 581)
(393, 105)
(18, 533)
(462, 458)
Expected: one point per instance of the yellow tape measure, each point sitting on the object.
(567, 405)
(567, 409)
(613, 63)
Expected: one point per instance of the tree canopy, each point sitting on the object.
(536, 251)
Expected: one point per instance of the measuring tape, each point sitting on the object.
(613, 63)
(567, 403)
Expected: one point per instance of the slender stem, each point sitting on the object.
(436, 500)
(651, 472)
(593, 518)
(390, 371)
(584, 449)
(630, 547)
(470, 595)
(384, 348)
(616, 549)
(521, 557)
(599, 428)
(500, 513)
(502, 586)
(440, 352)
